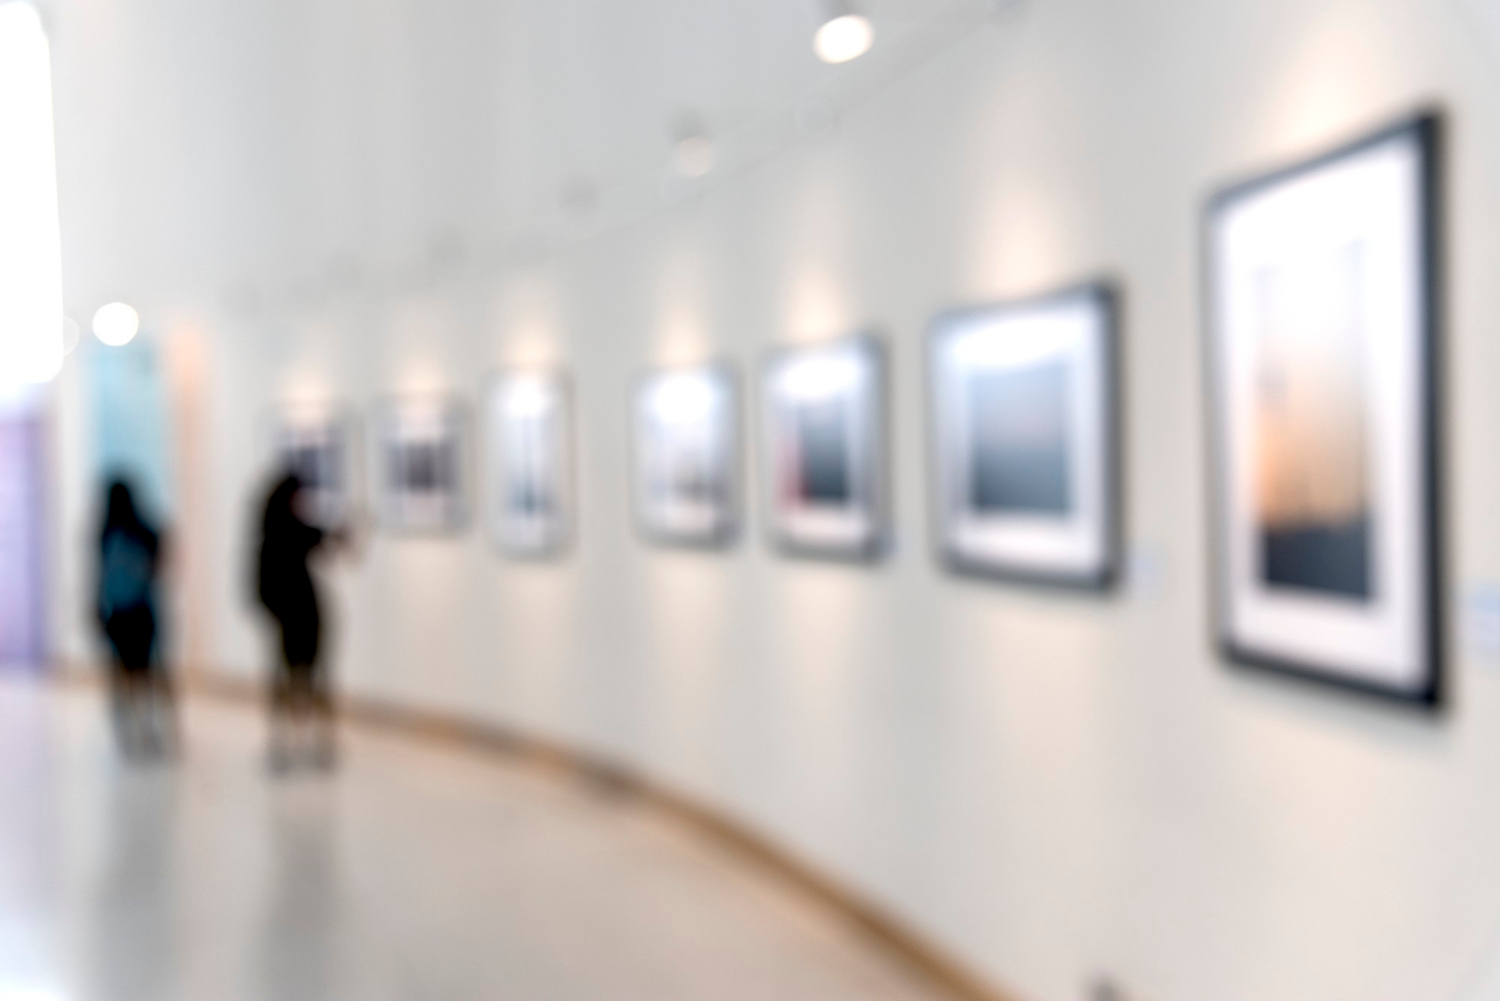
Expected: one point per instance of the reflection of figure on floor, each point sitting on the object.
(301, 706)
(141, 694)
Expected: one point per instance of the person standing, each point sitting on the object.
(300, 700)
(129, 557)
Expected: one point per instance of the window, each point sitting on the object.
(31, 337)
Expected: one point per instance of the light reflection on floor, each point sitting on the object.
(415, 872)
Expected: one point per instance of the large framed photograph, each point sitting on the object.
(529, 462)
(1023, 423)
(1322, 324)
(687, 455)
(825, 448)
(421, 445)
(315, 443)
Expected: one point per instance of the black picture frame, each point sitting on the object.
(1103, 479)
(548, 537)
(320, 442)
(400, 509)
(717, 526)
(1421, 133)
(859, 531)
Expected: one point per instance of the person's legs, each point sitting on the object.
(281, 703)
(131, 633)
(152, 688)
(317, 705)
(294, 698)
(320, 716)
(300, 646)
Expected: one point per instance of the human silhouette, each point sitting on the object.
(301, 706)
(129, 557)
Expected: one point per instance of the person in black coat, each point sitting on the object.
(129, 558)
(299, 691)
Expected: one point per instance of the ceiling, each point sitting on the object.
(260, 153)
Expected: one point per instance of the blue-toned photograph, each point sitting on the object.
(1023, 428)
(687, 455)
(825, 455)
(1019, 429)
(823, 444)
(532, 491)
(528, 461)
(1313, 488)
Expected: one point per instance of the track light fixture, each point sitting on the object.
(116, 323)
(843, 33)
(693, 152)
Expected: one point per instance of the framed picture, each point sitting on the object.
(316, 444)
(421, 451)
(1321, 330)
(825, 448)
(687, 455)
(529, 462)
(1023, 423)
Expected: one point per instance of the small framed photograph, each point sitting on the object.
(316, 445)
(1024, 446)
(687, 455)
(1321, 332)
(529, 462)
(421, 451)
(825, 448)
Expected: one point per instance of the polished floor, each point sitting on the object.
(414, 872)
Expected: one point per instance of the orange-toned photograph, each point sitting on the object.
(1312, 437)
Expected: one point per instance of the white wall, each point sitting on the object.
(1049, 785)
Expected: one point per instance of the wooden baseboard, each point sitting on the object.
(887, 932)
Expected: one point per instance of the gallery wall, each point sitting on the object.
(1053, 786)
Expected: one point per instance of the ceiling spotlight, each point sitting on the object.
(693, 153)
(116, 324)
(580, 197)
(845, 34)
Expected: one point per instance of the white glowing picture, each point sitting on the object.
(421, 452)
(1023, 425)
(315, 444)
(687, 455)
(529, 465)
(825, 448)
(1321, 345)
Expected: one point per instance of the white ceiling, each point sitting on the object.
(215, 149)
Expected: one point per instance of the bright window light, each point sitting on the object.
(31, 317)
(844, 38)
(116, 323)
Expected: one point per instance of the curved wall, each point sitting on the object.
(1050, 785)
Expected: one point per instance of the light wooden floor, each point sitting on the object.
(415, 872)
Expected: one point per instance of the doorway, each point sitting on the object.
(22, 543)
